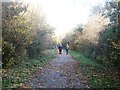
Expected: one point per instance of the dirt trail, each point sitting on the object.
(61, 72)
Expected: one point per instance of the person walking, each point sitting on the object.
(67, 47)
(60, 48)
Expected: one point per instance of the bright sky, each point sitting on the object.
(64, 15)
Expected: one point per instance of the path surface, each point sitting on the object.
(61, 72)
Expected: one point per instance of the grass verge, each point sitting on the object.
(97, 74)
(13, 78)
(84, 60)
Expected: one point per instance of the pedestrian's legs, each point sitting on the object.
(60, 51)
(66, 51)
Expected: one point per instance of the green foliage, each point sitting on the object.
(9, 51)
(98, 75)
(14, 39)
(103, 48)
(23, 35)
(13, 78)
(103, 82)
(83, 59)
(100, 44)
(109, 39)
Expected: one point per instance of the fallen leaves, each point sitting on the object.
(60, 72)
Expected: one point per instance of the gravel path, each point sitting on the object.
(61, 72)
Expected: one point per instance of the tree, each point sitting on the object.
(99, 39)
(23, 34)
(13, 35)
(109, 40)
